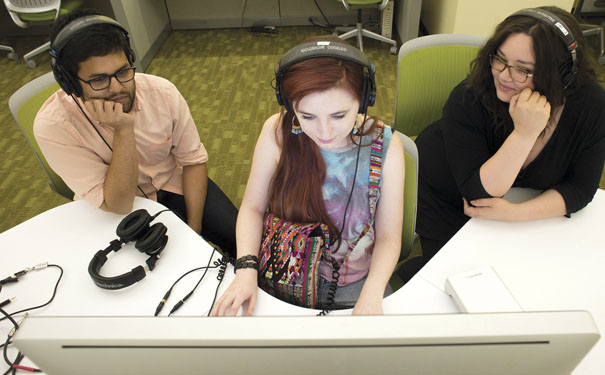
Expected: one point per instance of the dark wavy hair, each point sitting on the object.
(95, 40)
(296, 189)
(552, 58)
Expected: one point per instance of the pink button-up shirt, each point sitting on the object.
(166, 140)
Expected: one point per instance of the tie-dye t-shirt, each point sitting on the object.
(340, 168)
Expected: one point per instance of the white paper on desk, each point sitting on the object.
(480, 291)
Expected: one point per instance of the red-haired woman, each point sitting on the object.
(304, 168)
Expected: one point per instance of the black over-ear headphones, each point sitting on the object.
(343, 51)
(150, 240)
(66, 79)
(569, 70)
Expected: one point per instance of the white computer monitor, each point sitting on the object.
(497, 343)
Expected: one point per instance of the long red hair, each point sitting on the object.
(296, 189)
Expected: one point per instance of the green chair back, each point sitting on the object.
(25, 104)
(429, 68)
(410, 197)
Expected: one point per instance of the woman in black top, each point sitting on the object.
(530, 115)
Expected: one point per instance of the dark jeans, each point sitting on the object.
(218, 220)
(411, 266)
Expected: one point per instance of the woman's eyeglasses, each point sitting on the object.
(518, 73)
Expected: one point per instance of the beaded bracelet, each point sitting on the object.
(240, 265)
(247, 258)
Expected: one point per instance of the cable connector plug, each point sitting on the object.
(10, 279)
(162, 303)
(6, 302)
(12, 331)
(39, 266)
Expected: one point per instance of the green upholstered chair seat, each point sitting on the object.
(410, 197)
(429, 68)
(25, 104)
(49, 16)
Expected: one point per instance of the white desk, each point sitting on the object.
(553, 264)
(69, 235)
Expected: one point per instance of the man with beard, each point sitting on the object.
(112, 134)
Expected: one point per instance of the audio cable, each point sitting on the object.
(15, 364)
(221, 264)
(23, 272)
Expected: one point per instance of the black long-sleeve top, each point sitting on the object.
(453, 149)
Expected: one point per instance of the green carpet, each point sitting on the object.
(225, 75)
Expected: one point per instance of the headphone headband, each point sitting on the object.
(325, 48)
(78, 24)
(563, 32)
(311, 50)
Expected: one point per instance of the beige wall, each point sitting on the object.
(148, 25)
(475, 17)
(146, 19)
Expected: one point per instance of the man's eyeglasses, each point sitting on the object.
(103, 82)
(518, 73)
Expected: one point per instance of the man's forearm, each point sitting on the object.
(195, 184)
(122, 176)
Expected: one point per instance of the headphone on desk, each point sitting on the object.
(569, 70)
(150, 240)
(342, 51)
(68, 81)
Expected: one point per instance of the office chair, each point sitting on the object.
(27, 12)
(584, 10)
(11, 52)
(410, 197)
(24, 105)
(428, 68)
(359, 31)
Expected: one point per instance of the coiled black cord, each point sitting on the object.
(332, 291)
(222, 264)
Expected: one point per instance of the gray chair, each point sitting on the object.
(585, 10)
(27, 12)
(24, 105)
(11, 52)
(359, 31)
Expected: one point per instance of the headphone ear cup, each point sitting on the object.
(278, 89)
(64, 79)
(133, 225)
(567, 73)
(153, 240)
(371, 90)
(369, 93)
(131, 56)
